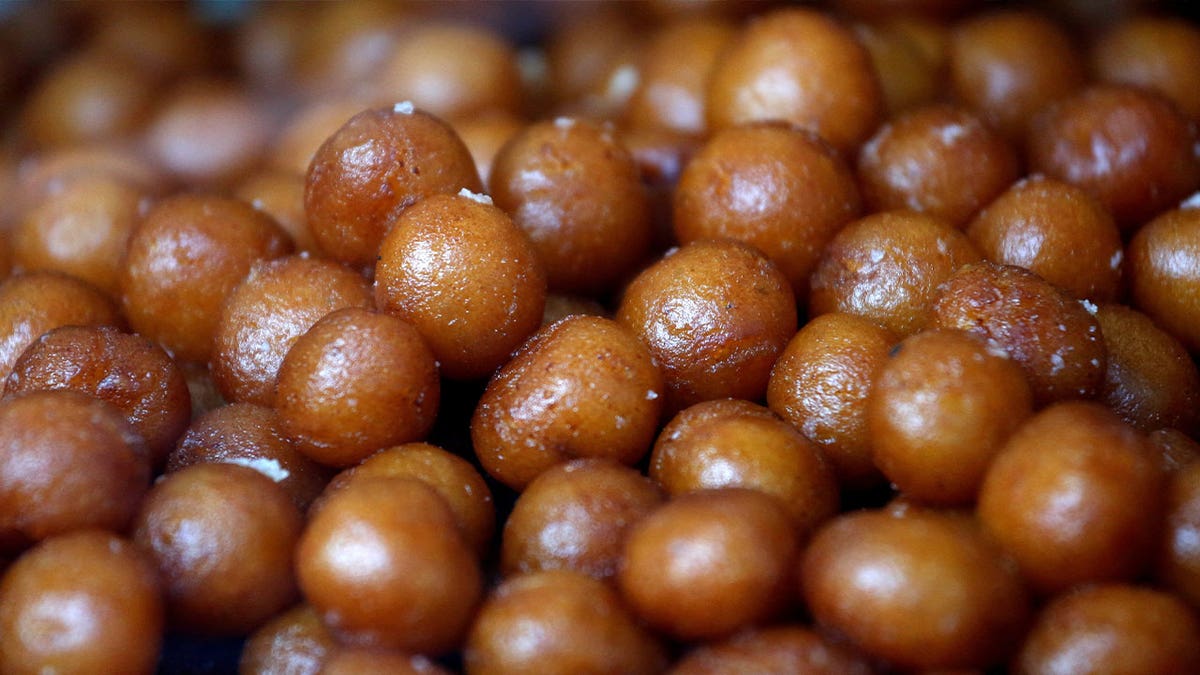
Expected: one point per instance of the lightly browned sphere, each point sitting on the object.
(1164, 273)
(776, 649)
(1178, 564)
(1155, 52)
(293, 641)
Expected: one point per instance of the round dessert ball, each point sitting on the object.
(575, 516)
(184, 259)
(558, 622)
(459, 270)
(709, 563)
(924, 590)
(575, 190)
(714, 314)
(1164, 273)
(778, 188)
(222, 537)
(385, 565)
(1112, 628)
(1177, 566)
(1053, 337)
(734, 443)
(379, 163)
(1130, 148)
(1057, 231)
(85, 602)
(303, 133)
(356, 382)
(68, 461)
(887, 268)
(128, 371)
(802, 66)
(582, 387)
(293, 641)
(277, 302)
(1154, 52)
(1174, 448)
(787, 648)
(1075, 496)
(87, 97)
(820, 384)
(940, 160)
(369, 661)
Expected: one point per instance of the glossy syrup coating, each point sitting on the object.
(1056, 230)
(1131, 148)
(778, 188)
(923, 591)
(1112, 628)
(673, 74)
(385, 565)
(34, 303)
(459, 270)
(379, 163)
(576, 191)
(128, 371)
(280, 195)
(1075, 496)
(575, 516)
(366, 661)
(293, 641)
(81, 230)
(582, 387)
(709, 563)
(1176, 449)
(887, 267)
(223, 538)
(356, 382)
(183, 260)
(734, 443)
(940, 160)
(1008, 64)
(1054, 338)
(941, 408)
(787, 648)
(68, 461)
(1164, 273)
(820, 385)
(85, 602)
(715, 316)
(802, 66)
(1177, 565)
(275, 304)
(249, 435)
(1155, 52)
(1150, 379)
(558, 622)
(455, 479)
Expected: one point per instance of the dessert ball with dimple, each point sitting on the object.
(1155, 52)
(86, 602)
(924, 590)
(788, 648)
(379, 163)
(575, 190)
(1053, 337)
(1164, 273)
(778, 188)
(820, 384)
(275, 304)
(940, 159)
(576, 516)
(802, 66)
(184, 259)
(887, 267)
(941, 408)
(293, 641)
(709, 563)
(128, 371)
(1075, 496)
(1129, 147)
(1056, 230)
(68, 461)
(222, 537)
(459, 270)
(384, 564)
(355, 382)
(735, 443)
(558, 622)
(714, 314)
(582, 387)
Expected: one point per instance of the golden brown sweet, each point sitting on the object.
(366, 661)
(1164, 273)
(787, 648)
(909, 73)
(1177, 565)
(280, 195)
(1155, 52)
(294, 641)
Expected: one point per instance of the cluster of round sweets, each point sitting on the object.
(683, 337)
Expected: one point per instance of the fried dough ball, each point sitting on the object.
(1155, 52)
(366, 661)
(1178, 562)
(777, 649)
(909, 74)
(293, 641)
(1164, 273)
